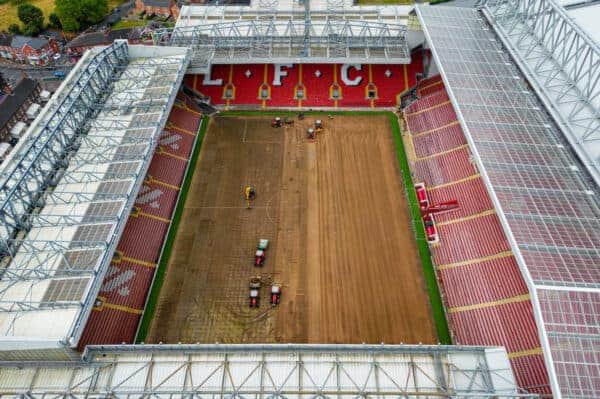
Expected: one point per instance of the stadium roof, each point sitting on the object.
(270, 371)
(547, 202)
(317, 32)
(69, 185)
(562, 62)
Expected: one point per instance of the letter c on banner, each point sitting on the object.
(354, 82)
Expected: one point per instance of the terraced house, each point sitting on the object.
(30, 50)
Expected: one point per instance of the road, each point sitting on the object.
(13, 72)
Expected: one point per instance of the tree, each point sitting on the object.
(32, 17)
(54, 21)
(96, 10)
(14, 29)
(79, 14)
(31, 29)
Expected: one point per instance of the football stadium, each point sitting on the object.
(313, 199)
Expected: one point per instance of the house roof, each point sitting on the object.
(14, 101)
(51, 33)
(36, 43)
(102, 38)
(157, 3)
(5, 39)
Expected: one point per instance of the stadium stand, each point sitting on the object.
(307, 85)
(68, 187)
(123, 294)
(486, 297)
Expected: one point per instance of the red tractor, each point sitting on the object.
(276, 122)
(259, 258)
(254, 296)
(275, 294)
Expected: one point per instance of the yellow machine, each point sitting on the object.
(249, 194)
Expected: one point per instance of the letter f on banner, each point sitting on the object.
(280, 73)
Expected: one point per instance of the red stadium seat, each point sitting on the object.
(127, 283)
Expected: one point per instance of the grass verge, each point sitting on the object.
(129, 23)
(166, 254)
(437, 307)
(8, 12)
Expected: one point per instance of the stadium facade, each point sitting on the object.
(510, 68)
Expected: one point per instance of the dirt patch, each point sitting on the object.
(341, 241)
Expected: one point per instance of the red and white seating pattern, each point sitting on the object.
(470, 239)
(126, 285)
(430, 85)
(510, 325)
(446, 138)
(483, 290)
(471, 195)
(320, 85)
(462, 278)
(441, 114)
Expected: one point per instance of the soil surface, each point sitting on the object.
(341, 242)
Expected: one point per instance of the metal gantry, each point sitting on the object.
(301, 40)
(44, 153)
(72, 182)
(561, 61)
(270, 371)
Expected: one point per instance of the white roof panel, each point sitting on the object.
(587, 17)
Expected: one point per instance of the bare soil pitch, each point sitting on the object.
(341, 241)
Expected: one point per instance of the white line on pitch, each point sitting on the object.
(245, 130)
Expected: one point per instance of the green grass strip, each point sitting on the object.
(294, 114)
(166, 255)
(437, 306)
